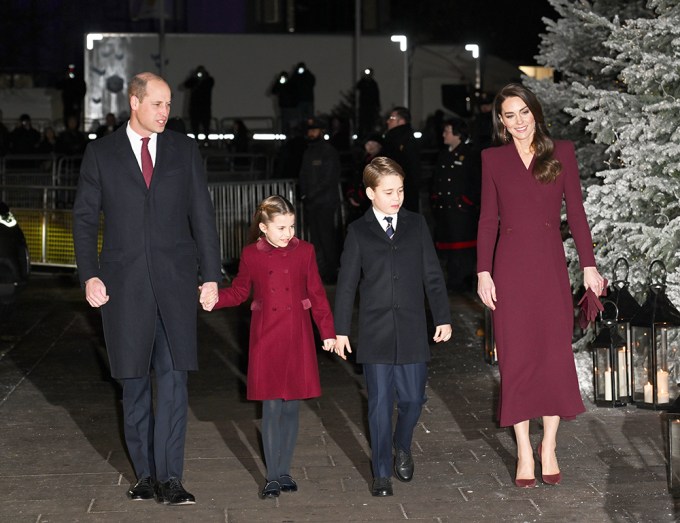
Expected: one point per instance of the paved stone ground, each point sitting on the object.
(62, 458)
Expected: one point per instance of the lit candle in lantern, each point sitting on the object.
(608, 385)
(648, 393)
(623, 386)
(662, 386)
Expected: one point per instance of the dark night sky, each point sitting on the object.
(509, 30)
(42, 36)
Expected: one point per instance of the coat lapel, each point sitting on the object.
(374, 226)
(165, 149)
(127, 157)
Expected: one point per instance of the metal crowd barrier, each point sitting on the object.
(45, 217)
(222, 166)
(235, 204)
(29, 169)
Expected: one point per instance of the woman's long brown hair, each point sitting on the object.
(546, 167)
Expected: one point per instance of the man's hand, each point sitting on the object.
(95, 292)
(342, 344)
(209, 296)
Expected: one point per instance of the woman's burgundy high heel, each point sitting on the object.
(548, 479)
(525, 483)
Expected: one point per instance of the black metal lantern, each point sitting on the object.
(489, 338)
(655, 332)
(610, 361)
(627, 307)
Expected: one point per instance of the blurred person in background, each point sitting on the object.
(303, 82)
(24, 139)
(454, 196)
(320, 194)
(401, 146)
(369, 104)
(200, 85)
(289, 115)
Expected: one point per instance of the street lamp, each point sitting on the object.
(403, 47)
(474, 49)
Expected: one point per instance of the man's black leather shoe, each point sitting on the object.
(172, 492)
(382, 487)
(403, 465)
(143, 489)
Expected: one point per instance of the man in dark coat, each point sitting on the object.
(160, 230)
(289, 114)
(402, 147)
(320, 193)
(24, 139)
(455, 195)
(200, 85)
(369, 103)
(303, 82)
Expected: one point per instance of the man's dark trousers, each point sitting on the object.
(156, 443)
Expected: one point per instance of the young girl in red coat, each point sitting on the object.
(282, 368)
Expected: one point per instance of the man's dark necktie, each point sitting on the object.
(147, 164)
(389, 230)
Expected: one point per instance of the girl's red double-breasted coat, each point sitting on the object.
(286, 287)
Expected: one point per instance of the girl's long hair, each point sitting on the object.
(546, 168)
(268, 209)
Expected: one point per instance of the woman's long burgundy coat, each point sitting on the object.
(286, 285)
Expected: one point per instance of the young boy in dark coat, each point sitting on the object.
(390, 257)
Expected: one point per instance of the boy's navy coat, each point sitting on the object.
(393, 277)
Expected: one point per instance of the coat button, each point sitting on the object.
(285, 271)
(274, 309)
(288, 308)
(395, 277)
(396, 305)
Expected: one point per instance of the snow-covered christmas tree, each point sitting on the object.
(635, 211)
(570, 46)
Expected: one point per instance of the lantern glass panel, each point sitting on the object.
(623, 330)
(674, 453)
(642, 363)
(606, 377)
(667, 371)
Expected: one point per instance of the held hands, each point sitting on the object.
(342, 345)
(95, 292)
(329, 344)
(208, 297)
(442, 333)
(486, 289)
(593, 280)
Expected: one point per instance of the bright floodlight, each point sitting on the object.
(91, 37)
(474, 49)
(403, 41)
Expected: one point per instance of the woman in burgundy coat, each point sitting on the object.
(282, 366)
(524, 182)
